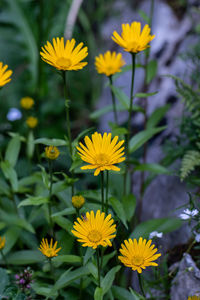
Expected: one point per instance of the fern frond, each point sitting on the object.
(190, 160)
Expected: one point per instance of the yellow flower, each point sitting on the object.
(194, 298)
(94, 230)
(49, 250)
(101, 153)
(138, 255)
(132, 39)
(4, 75)
(2, 242)
(52, 152)
(27, 102)
(109, 63)
(78, 201)
(63, 56)
(32, 122)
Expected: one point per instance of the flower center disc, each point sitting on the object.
(63, 62)
(102, 159)
(137, 260)
(94, 236)
(49, 252)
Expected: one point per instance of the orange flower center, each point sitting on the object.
(94, 236)
(137, 260)
(102, 159)
(63, 62)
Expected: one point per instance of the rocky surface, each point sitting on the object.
(187, 280)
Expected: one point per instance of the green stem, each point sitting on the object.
(99, 268)
(67, 98)
(140, 283)
(107, 188)
(51, 267)
(4, 258)
(129, 120)
(113, 99)
(102, 190)
(50, 195)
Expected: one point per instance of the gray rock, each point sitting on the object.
(187, 281)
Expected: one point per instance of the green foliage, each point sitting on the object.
(190, 160)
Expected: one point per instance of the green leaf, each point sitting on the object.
(108, 279)
(83, 134)
(65, 212)
(43, 290)
(20, 19)
(119, 210)
(98, 294)
(68, 277)
(4, 280)
(151, 70)
(154, 168)
(10, 174)
(107, 257)
(35, 201)
(30, 144)
(12, 151)
(12, 236)
(129, 205)
(119, 131)
(88, 254)
(93, 269)
(120, 293)
(100, 112)
(136, 295)
(63, 223)
(157, 116)
(51, 142)
(144, 95)
(70, 259)
(144, 16)
(25, 257)
(142, 137)
(164, 225)
(121, 96)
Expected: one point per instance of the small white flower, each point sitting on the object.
(14, 114)
(187, 214)
(197, 237)
(155, 234)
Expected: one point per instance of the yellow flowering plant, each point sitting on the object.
(67, 201)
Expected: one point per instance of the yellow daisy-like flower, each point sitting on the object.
(101, 153)
(109, 63)
(63, 56)
(78, 201)
(2, 242)
(49, 250)
(95, 230)
(132, 39)
(4, 74)
(32, 122)
(138, 255)
(27, 102)
(52, 152)
(194, 298)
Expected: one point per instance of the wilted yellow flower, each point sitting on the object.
(194, 298)
(2, 242)
(52, 152)
(138, 255)
(95, 230)
(63, 56)
(4, 75)
(101, 153)
(78, 201)
(27, 102)
(132, 39)
(49, 250)
(31, 122)
(109, 63)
